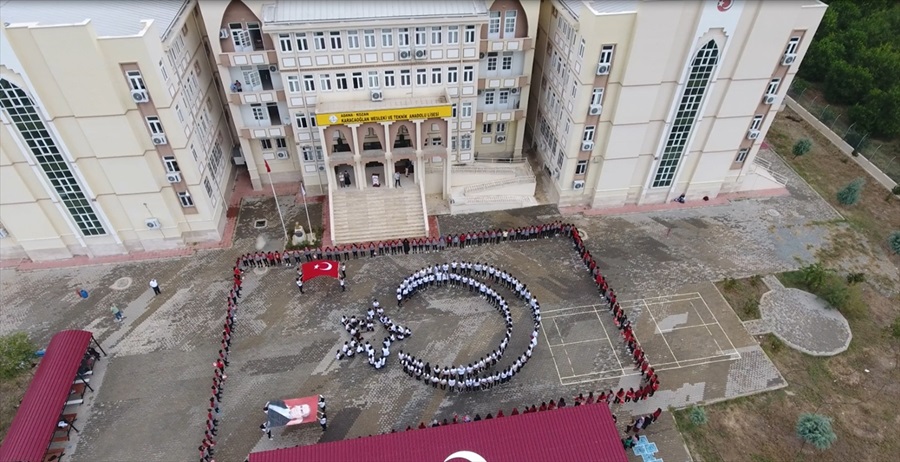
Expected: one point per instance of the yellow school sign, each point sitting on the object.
(385, 115)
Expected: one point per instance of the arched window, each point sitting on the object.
(24, 115)
(686, 115)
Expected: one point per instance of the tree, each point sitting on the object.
(846, 83)
(849, 195)
(16, 354)
(801, 147)
(698, 416)
(894, 242)
(816, 430)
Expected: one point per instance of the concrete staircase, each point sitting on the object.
(483, 188)
(376, 214)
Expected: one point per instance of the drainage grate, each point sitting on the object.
(260, 223)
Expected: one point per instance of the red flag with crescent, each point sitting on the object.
(318, 268)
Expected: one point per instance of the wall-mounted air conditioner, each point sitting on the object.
(273, 68)
(376, 95)
(405, 54)
(602, 69)
(140, 96)
(173, 177)
(501, 138)
(223, 33)
(421, 54)
(752, 134)
(788, 59)
(595, 109)
(769, 99)
(578, 185)
(282, 155)
(152, 223)
(159, 140)
(587, 145)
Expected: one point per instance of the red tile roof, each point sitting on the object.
(577, 434)
(35, 422)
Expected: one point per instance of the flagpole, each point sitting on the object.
(280, 216)
(305, 208)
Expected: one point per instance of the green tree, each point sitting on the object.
(816, 430)
(801, 147)
(894, 242)
(16, 354)
(698, 416)
(846, 83)
(879, 112)
(822, 54)
(814, 276)
(849, 195)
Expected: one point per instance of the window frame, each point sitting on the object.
(185, 199)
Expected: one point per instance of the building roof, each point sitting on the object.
(35, 422)
(576, 434)
(292, 11)
(600, 7)
(109, 18)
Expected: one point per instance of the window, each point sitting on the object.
(581, 167)
(506, 62)
(353, 39)
(239, 36)
(312, 120)
(699, 75)
(155, 125)
(302, 121)
(606, 54)
(792, 46)
(453, 110)
(597, 96)
(468, 74)
(373, 79)
(574, 89)
(387, 38)
(492, 63)
(588, 133)
(467, 110)
(742, 155)
(214, 161)
(336, 40)
(470, 34)
(389, 79)
(509, 23)
(453, 35)
(420, 36)
(341, 79)
(581, 49)
(309, 82)
(325, 82)
(403, 37)
(452, 75)
(421, 77)
(171, 164)
(319, 40)
(293, 83)
(319, 153)
(404, 77)
(757, 122)
(135, 80)
(369, 36)
(280, 143)
(500, 127)
(436, 74)
(307, 152)
(489, 97)
(300, 40)
(162, 70)
(436, 35)
(179, 113)
(265, 144)
(208, 187)
(185, 198)
(494, 24)
(357, 81)
(487, 128)
(285, 41)
(258, 112)
(465, 142)
(772, 89)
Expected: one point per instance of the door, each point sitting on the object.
(252, 80)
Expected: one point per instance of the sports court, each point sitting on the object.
(676, 331)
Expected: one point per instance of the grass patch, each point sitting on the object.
(743, 295)
(830, 286)
(11, 393)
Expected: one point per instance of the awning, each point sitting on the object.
(577, 434)
(35, 421)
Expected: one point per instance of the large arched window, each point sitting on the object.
(24, 115)
(688, 111)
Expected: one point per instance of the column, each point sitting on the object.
(420, 165)
(329, 169)
(388, 155)
(358, 171)
(448, 155)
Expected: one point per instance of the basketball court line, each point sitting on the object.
(615, 353)
(672, 329)
(576, 343)
(567, 351)
(656, 329)
(716, 319)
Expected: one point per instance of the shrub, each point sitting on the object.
(755, 280)
(729, 284)
(894, 242)
(814, 276)
(835, 293)
(816, 430)
(698, 416)
(896, 190)
(849, 195)
(856, 278)
(895, 328)
(801, 147)
(751, 309)
(16, 354)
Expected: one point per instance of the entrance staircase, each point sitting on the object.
(376, 214)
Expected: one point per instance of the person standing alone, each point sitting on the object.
(155, 286)
(397, 180)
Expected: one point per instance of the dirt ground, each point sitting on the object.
(860, 388)
(743, 295)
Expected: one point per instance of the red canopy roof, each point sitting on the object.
(577, 434)
(35, 421)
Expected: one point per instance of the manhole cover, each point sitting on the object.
(121, 284)
(773, 213)
(260, 223)
(261, 271)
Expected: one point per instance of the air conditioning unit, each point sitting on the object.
(405, 54)
(376, 95)
(788, 59)
(152, 223)
(481, 55)
(752, 134)
(139, 96)
(514, 91)
(480, 92)
(159, 139)
(595, 109)
(501, 138)
(223, 33)
(769, 99)
(173, 177)
(421, 54)
(273, 68)
(282, 155)
(587, 145)
(578, 185)
(602, 69)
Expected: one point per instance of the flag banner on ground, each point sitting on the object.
(302, 189)
(294, 411)
(318, 268)
(268, 169)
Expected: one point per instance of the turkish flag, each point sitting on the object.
(268, 169)
(318, 268)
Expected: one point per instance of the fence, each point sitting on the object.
(885, 156)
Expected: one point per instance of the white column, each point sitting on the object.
(359, 171)
(448, 154)
(419, 174)
(388, 155)
(326, 154)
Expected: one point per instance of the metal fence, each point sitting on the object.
(885, 156)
